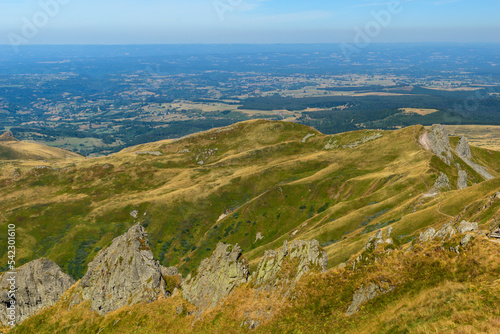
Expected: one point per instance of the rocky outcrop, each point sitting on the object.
(466, 226)
(447, 231)
(7, 136)
(428, 235)
(280, 270)
(123, 274)
(375, 240)
(463, 149)
(39, 284)
(364, 294)
(442, 182)
(462, 179)
(465, 240)
(437, 140)
(440, 143)
(216, 277)
(464, 152)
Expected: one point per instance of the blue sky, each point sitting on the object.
(245, 21)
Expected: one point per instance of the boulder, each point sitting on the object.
(280, 270)
(171, 271)
(123, 274)
(39, 285)
(465, 240)
(428, 235)
(389, 231)
(445, 233)
(365, 294)
(442, 183)
(216, 277)
(466, 226)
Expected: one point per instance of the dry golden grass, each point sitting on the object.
(483, 136)
(421, 112)
(40, 152)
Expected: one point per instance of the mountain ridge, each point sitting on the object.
(256, 184)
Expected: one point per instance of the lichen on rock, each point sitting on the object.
(440, 143)
(39, 284)
(123, 274)
(364, 294)
(216, 277)
(280, 270)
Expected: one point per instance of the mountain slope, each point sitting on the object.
(13, 149)
(255, 183)
(260, 185)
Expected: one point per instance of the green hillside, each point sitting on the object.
(273, 179)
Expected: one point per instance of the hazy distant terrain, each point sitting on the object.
(100, 99)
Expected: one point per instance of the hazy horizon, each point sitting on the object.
(69, 22)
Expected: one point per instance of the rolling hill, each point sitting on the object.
(13, 149)
(257, 184)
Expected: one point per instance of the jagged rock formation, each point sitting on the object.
(462, 179)
(216, 277)
(40, 283)
(442, 183)
(463, 149)
(7, 136)
(440, 143)
(428, 235)
(282, 269)
(437, 140)
(464, 152)
(123, 274)
(375, 240)
(365, 294)
(466, 226)
(447, 231)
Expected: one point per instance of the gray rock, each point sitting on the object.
(466, 226)
(440, 143)
(134, 214)
(123, 274)
(375, 240)
(462, 179)
(282, 269)
(445, 233)
(389, 231)
(465, 240)
(428, 235)
(464, 152)
(442, 182)
(39, 284)
(363, 295)
(171, 271)
(216, 277)
(463, 148)
(259, 236)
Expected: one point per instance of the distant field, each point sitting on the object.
(484, 136)
(421, 112)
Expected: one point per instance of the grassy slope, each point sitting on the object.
(435, 291)
(18, 150)
(259, 173)
(265, 179)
